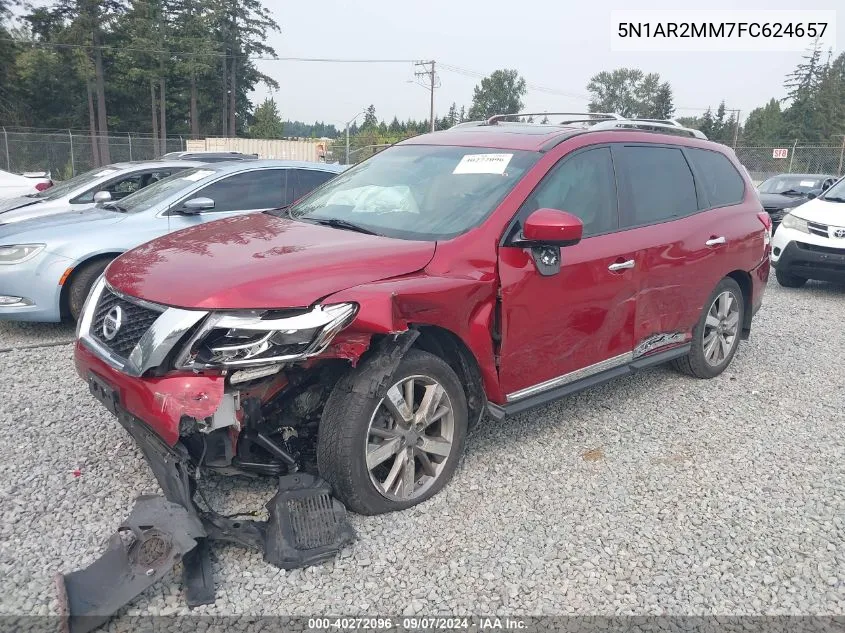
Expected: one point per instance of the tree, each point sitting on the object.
(243, 26)
(631, 93)
(764, 126)
(370, 118)
(89, 20)
(452, 117)
(500, 93)
(266, 122)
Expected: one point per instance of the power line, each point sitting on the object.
(339, 60)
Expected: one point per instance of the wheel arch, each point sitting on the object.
(743, 279)
(64, 307)
(451, 348)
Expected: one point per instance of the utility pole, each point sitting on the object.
(736, 128)
(432, 79)
(841, 154)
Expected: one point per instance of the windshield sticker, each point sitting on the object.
(807, 183)
(107, 172)
(197, 175)
(483, 164)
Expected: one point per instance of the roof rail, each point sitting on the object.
(668, 126)
(468, 124)
(585, 116)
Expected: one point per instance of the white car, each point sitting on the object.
(14, 185)
(86, 191)
(810, 242)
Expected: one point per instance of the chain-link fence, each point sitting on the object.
(65, 154)
(764, 162)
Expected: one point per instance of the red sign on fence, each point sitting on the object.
(780, 153)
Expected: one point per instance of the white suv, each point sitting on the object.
(810, 242)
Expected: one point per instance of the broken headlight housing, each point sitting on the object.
(232, 340)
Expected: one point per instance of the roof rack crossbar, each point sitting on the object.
(588, 116)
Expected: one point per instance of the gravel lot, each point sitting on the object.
(654, 494)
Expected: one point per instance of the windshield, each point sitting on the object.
(837, 192)
(161, 190)
(67, 187)
(796, 185)
(418, 192)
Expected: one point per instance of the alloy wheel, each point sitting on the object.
(410, 438)
(721, 328)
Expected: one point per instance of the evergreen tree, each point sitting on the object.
(266, 122)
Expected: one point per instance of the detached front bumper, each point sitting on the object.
(160, 402)
(305, 524)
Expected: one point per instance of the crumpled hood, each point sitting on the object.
(778, 201)
(259, 261)
(818, 210)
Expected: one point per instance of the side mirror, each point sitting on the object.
(102, 197)
(196, 205)
(550, 227)
(826, 186)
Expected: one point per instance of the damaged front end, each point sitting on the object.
(305, 526)
(198, 391)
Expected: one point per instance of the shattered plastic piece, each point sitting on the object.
(147, 545)
(307, 525)
(77, 472)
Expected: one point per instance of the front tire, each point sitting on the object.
(788, 280)
(383, 454)
(81, 282)
(716, 336)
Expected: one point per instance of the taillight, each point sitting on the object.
(41, 186)
(767, 223)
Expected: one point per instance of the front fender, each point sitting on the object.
(465, 307)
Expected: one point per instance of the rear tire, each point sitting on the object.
(380, 456)
(788, 280)
(81, 282)
(716, 336)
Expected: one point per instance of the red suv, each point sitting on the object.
(487, 269)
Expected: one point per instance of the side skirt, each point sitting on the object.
(500, 412)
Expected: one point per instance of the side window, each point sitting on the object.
(307, 180)
(122, 187)
(246, 191)
(658, 184)
(717, 177)
(583, 185)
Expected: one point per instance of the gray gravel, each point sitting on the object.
(654, 494)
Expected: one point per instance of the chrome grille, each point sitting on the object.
(135, 323)
(817, 228)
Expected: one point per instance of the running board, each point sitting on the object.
(500, 412)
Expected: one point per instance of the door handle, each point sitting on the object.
(621, 265)
(715, 241)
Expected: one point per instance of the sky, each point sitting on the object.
(557, 45)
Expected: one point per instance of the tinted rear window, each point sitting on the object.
(719, 179)
(659, 184)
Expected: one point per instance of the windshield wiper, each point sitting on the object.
(791, 192)
(340, 224)
(113, 206)
(280, 212)
(833, 199)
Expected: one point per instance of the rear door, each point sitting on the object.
(578, 321)
(667, 217)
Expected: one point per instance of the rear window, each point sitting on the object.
(659, 184)
(717, 176)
